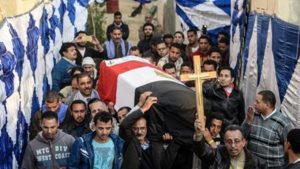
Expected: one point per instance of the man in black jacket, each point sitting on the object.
(118, 23)
(233, 155)
(226, 98)
(292, 148)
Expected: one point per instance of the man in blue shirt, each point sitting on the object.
(99, 149)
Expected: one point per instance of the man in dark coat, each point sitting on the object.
(233, 155)
(292, 148)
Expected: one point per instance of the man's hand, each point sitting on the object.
(111, 108)
(207, 135)
(167, 137)
(143, 98)
(149, 102)
(250, 115)
(198, 127)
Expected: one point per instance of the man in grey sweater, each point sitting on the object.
(50, 149)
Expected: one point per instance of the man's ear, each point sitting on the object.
(232, 80)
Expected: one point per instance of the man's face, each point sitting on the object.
(85, 86)
(171, 72)
(223, 47)
(215, 127)
(192, 37)
(148, 31)
(185, 70)
(140, 129)
(234, 142)
(122, 114)
(103, 129)
(162, 49)
(225, 78)
(54, 106)
(116, 35)
(88, 69)
(70, 53)
(168, 41)
(216, 56)
(178, 38)
(97, 107)
(78, 112)
(174, 54)
(49, 128)
(203, 45)
(260, 105)
(148, 19)
(118, 19)
(208, 68)
(81, 43)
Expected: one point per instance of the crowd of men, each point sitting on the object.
(75, 129)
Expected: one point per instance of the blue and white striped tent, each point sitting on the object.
(29, 46)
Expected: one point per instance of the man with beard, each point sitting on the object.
(83, 50)
(50, 148)
(61, 71)
(223, 45)
(173, 56)
(85, 89)
(116, 47)
(77, 124)
(144, 44)
(204, 47)
(120, 24)
(98, 149)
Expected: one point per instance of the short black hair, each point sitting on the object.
(76, 68)
(103, 116)
(224, 40)
(65, 46)
(217, 116)
(268, 97)
(52, 96)
(116, 28)
(205, 37)
(79, 32)
(234, 127)
(176, 45)
(193, 30)
(77, 102)
(293, 139)
(124, 107)
(93, 100)
(148, 24)
(224, 34)
(214, 49)
(49, 115)
(159, 41)
(226, 68)
(211, 62)
(117, 13)
(134, 48)
(167, 35)
(188, 64)
(179, 32)
(169, 66)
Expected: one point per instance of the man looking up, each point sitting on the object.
(98, 149)
(50, 148)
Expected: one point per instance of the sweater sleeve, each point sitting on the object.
(28, 159)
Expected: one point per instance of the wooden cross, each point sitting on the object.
(199, 77)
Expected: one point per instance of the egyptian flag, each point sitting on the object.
(122, 80)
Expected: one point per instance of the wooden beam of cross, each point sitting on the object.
(199, 77)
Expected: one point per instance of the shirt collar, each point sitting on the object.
(73, 62)
(265, 118)
(296, 161)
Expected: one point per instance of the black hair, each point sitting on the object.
(117, 13)
(224, 40)
(167, 35)
(224, 34)
(49, 115)
(268, 97)
(82, 75)
(181, 33)
(293, 139)
(76, 68)
(125, 107)
(79, 32)
(52, 96)
(93, 100)
(77, 102)
(134, 48)
(148, 24)
(235, 127)
(217, 116)
(211, 62)
(159, 41)
(226, 68)
(116, 28)
(169, 66)
(103, 116)
(65, 46)
(205, 37)
(214, 49)
(193, 30)
(176, 45)
(188, 64)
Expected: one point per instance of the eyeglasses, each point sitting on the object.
(231, 142)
